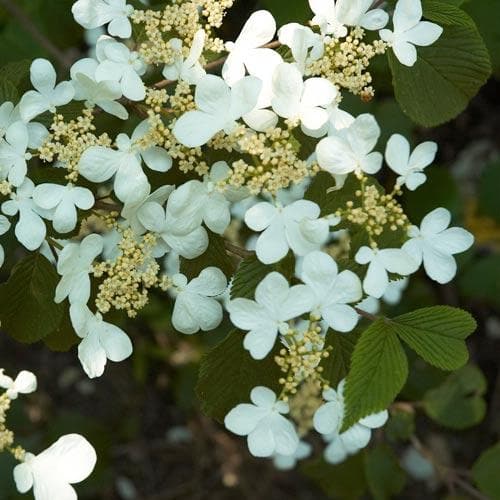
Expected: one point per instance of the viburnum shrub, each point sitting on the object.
(239, 190)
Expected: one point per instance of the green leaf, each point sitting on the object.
(336, 365)
(401, 425)
(488, 199)
(437, 334)
(8, 91)
(18, 72)
(447, 74)
(485, 472)
(28, 312)
(297, 11)
(458, 402)
(384, 475)
(379, 369)
(481, 280)
(64, 337)
(228, 373)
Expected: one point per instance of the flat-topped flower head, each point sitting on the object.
(24, 383)
(268, 431)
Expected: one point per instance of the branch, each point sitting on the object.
(366, 314)
(236, 250)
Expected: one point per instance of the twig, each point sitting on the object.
(236, 250)
(37, 35)
(366, 314)
(377, 3)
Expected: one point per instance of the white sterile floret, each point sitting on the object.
(267, 430)
(47, 96)
(99, 163)
(219, 106)
(247, 52)
(288, 462)
(296, 226)
(350, 149)
(118, 63)
(103, 94)
(30, 229)
(275, 303)
(408, 166)
(70, 460)
(24, 383)
(332, 290)
(188, 70)
(409, 31)
(64, 200)
(4, 227)
(195, 306)
(382, 262)
(74, 265)
(13, 154)
(333, 16)
(94, 13)
(296, 99)
(435, 244)
(100, 340)
(306, 46)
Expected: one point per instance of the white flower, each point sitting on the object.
(188, 70)
(409, 167)
(13, 155)
(298, 100)
(306, 46)
(435, 244)
(189, 244)
(70, 460)
(30, 228)
(288, 462)
(263, 422)
(219, 107)
(350, 149)
(101, 340)
(47, 96)
(4, 227)
(98, 164)
(74, 265)
(118, 63)
(275, 304)
(195, 306)
(64, 199)
(333, 16)
(394, 292)
(328, 417)
(409, 31)
(246, 51)
(94, 13)
(332, 290)
(37, 133)
(296, 226)
(94, 93)
(393, 260)
(24, 383)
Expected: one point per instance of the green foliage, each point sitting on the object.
(297, 11)
(485, 472)
(488, 199)
(384, 475)
(458, 402)
(447, 74)
(481, 280)
(8, 91)
(401, 425)
(64, 337)
(27, 309)
(228, 373)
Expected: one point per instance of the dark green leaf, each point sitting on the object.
(481, 280)
(336, 366)
(488, 199)
(8, 91)
(401, 425)
(485, 472)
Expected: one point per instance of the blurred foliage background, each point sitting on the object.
(143, 416)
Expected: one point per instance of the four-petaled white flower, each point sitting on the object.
(188, 70)
(382, 262)
(99, 163)
(275, 303)
(13, 155)
(118, 63)
(409, 31)
(350, 149)
(64, 200)
(409, 166)
(288, 462)
(267, 430)
(298, 100)
(247, 51)
(95, 13)
(333, 16)
(100, 340)
(24, 383)
(94, 93)
(9, 114)
(74, 265)
(195, 306)
(332, 290)
(70, 460)
(219, 106)
(296, 226)
(47, 96)
(435, 244)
